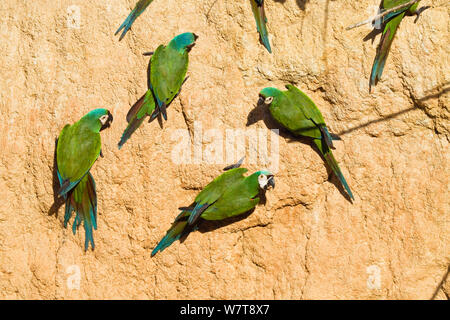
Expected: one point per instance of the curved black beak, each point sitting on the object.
(108, 122)
(270, 182)
(189, 47)
(260, 100)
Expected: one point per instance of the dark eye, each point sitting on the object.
(103, 119)
(268, 100)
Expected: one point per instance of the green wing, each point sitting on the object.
(168, 70)
(388, 4)
(313, 114)
(219, 185)
(235, 201)
(77, 150)
(307, 106)
(213, 191)
(286, 111)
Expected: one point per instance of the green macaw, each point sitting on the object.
(167, 71)
(295, 111)
(140, 7)
(228, 195)
(261, 21)
(391, 22)
(78, 147)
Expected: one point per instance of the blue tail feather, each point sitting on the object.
(383, 48)
(327, 136)
(381, 68)
(93, 219)
(261, 20)
(93, 202)
(196, 212)
(337, 171)
(344, 183)
(332, 163)
(67, 187)
(265, 41)
(135, 13)
(83, 200)
(75, 224)
(174, 234)
(68, 212)
(164, 243)
(374, 75)
(391, 15)
(126, 25)
(88, 234)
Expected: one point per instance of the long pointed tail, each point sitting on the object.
(83, 200)
(178, 229)
(328, 137)
(136, 115)
(383, 49)
(332, 163)
(135, 13)
(261, 20)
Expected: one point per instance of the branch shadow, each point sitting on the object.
(261, 112)
(57, 200)
(390, 116)
(441, 284)
(436, 95)
(396, 114)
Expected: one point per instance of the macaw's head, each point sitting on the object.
(184, 41)
(265, 179)
(98, 119)
(268, 95)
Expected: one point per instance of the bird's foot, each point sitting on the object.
(419, 11)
